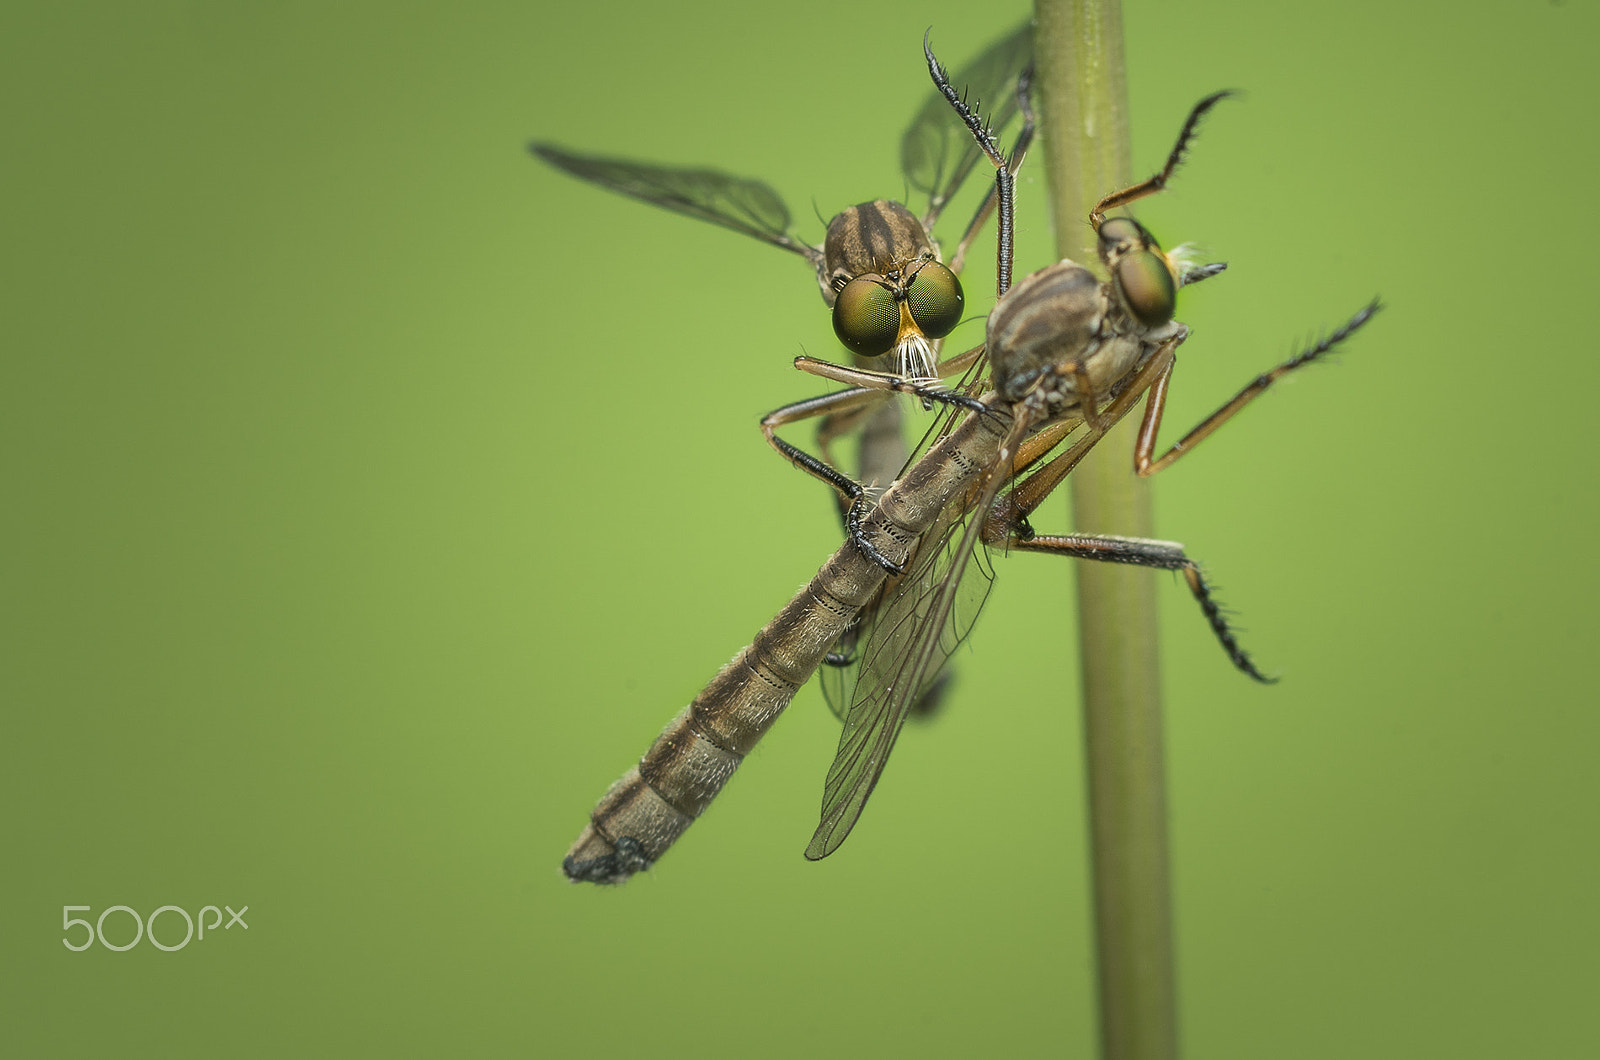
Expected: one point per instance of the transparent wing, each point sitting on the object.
(838, 679)
(937, 151)
(910, 603)
(862, 641)
(747, 206)
(914, 630)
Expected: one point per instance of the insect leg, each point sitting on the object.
(929, 392)
(1145, 552)
(1159, 181)
(841, 413)
(1019, 151)
(1014, 508)
(840, 410)
(1004, 175)
(1145, 445)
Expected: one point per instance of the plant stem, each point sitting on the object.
(1082, 91)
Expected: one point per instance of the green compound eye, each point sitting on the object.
(935, 300)
(1147, 286)
(866, 317)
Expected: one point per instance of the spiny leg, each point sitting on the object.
(1019, 151)
(867, 388)
(1146, 442)
(1014, 508)
(1145, 552)
(1004, 175)
(853, 492)
(1154, 377)
(1031, 493)
(1159, 181)
(929, 391)
(1007, 520)
(841, 412)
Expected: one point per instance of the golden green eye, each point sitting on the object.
(1147, 286)
(866, 317)
(935, 300)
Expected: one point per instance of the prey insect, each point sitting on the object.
(1070, 355)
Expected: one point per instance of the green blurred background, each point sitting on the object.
(374, 494)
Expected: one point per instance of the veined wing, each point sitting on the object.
(910, 642)
(883, 626)
(839, 675)
(744, 205)
(938, 151)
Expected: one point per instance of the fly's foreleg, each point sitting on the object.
(841, 413)
(930, 391)
(868, 388)
(1145, 464)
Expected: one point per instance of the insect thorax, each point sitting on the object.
(873, 237)
(1054, 318)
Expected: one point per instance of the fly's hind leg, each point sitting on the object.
(1146, 552)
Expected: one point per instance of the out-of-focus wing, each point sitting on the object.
(838, 676)
(744, 205)
(938, 151)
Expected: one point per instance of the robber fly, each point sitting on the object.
(878, 267)
(1070, 355)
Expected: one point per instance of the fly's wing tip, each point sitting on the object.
(822, 845)
(838, 821)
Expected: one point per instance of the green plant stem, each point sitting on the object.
(1083, 108)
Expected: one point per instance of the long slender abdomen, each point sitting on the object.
(653, 804)
(698, 751)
